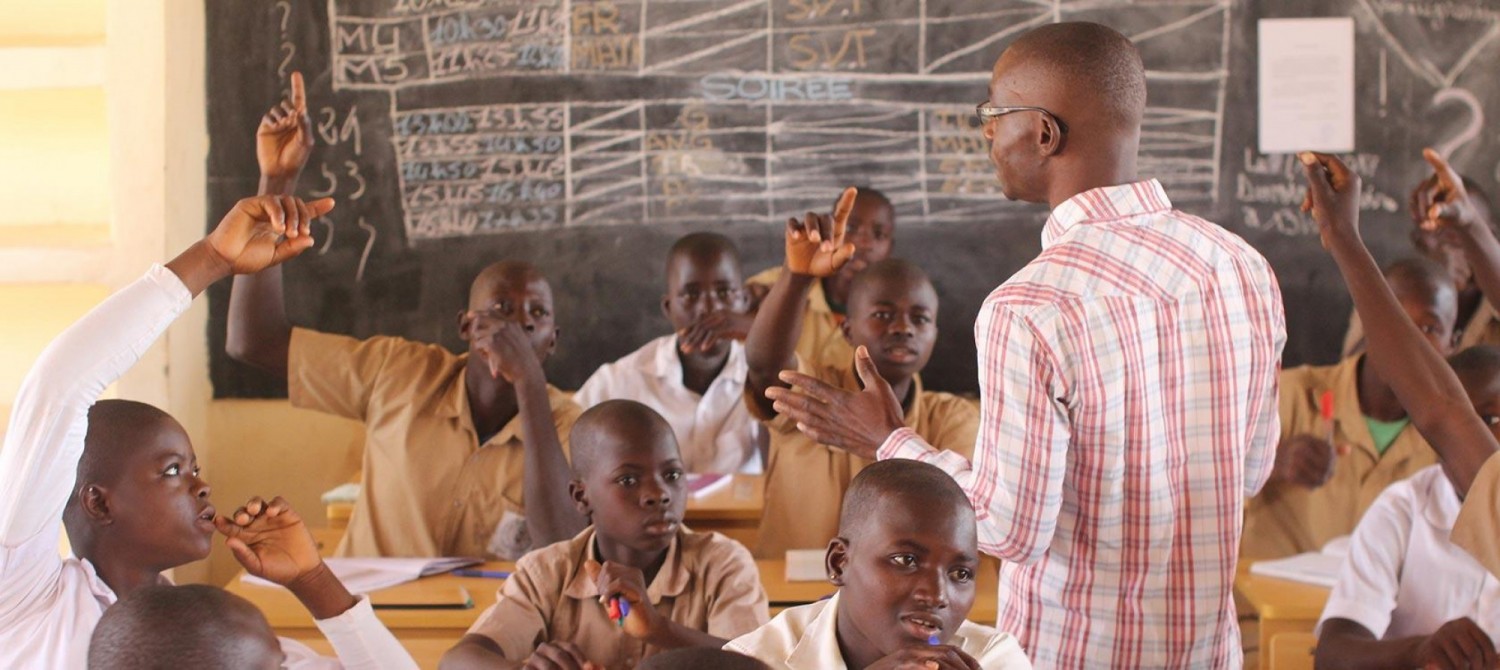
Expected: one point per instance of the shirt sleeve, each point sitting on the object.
(517, 621)
(1015, 479)
(1004, 652)
(362, 642)
(1263, 415)
(1477, 529)
(335, 374)
(1365, 592)
(597, 388)
(737, 601)
(39, 462)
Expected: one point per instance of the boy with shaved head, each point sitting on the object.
(192, 626)
(693, 379)
(465, 455)
(1127, 380)
(681, 589)
(893, 317)
(904, 559)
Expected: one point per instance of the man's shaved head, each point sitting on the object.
(502, 273)
(1095, 64)
(703, 247)
(116, 428)
(905, 483)
(614, 424)
(891, 271)
(193, 626)
(1420, 278)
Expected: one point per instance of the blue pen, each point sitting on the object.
(491, 574)
(933, 640)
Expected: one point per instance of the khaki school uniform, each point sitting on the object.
(805, 481)
(1483, 328)
(1290, 519)
(822, 340)
(430, 487)
(1477, 529)
(708, 582)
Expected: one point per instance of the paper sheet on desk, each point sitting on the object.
(1306, 85)
(1315, 567)
(364, 575)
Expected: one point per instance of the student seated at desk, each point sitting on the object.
(464, 455)
(683, 589)
(693, 378)
(192, 626)
(904, 560)
(1319, 490)
(893, 315)
(123, 478)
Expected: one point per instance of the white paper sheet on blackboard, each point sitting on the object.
(1306, 85)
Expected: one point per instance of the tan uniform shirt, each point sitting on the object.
(1477, 529)
(1290, 519)
(708, 582)
(805, 481)
(822, 340)
(1483, 328)
(430, 488)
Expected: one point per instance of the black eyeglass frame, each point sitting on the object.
(986, 111)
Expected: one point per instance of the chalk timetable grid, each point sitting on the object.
(726, 145)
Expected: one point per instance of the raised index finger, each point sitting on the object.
(299, 93)
(1445, 174)
(841, 211)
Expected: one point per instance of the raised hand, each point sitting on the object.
(1332, 198)
(857, 422)
(264, 231)
(270, 540)
(1447, 204)
(284, 139)
(815, 246)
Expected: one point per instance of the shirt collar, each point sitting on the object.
(1442, 503)
(664, 363)
(453, 403)
(671, 580)
(1107, 203)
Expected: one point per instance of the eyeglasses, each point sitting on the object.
(986, 111)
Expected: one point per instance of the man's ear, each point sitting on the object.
(666, 302)
(580, 498)
(1049, 135)
(465, 324)
(836, 560)
(844, 328)
(94, 501)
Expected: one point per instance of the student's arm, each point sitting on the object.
(512, 633)
(1358, 611)
(259, 333)
(815, 248)
(1454, 209)
(1421, 379)
(270, 540)
(1458, 644)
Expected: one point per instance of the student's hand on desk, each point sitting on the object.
(613, 579)
(857, 422)
(1332, 198)
(270, 540)
(1458, 645)
(939, 657)
(264, 231)
(559, 656)
(713, 327)
(1305, 460)
(1443, 201)
(284, 139)
(815, 246)
(506, 349)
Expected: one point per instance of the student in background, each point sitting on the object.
(455, 445)
(123, 478)
(905, 560)
(1477, 321)
(695, 381)
(871, 230)
(1407, 597)
(682, 589)
(893, 314)
(1328, 472)
(193, 626)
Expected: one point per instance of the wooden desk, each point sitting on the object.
(1283, 606)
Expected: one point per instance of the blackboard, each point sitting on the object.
(586, 135)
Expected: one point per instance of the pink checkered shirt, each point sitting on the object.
(1128, 380)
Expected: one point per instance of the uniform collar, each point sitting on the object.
(453, 403)
(664, 363)
(1106, 203)
(671, 580)
(819, 645)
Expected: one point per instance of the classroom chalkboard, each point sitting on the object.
(586, 135)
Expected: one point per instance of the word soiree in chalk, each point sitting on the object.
(721, 86)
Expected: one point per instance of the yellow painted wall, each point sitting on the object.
(51, 22)
(47, 133)
(34, 314)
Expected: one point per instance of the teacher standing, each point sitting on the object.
(1128, 379)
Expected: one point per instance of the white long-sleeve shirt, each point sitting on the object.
(49, 605)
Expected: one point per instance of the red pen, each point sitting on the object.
(1325, 409)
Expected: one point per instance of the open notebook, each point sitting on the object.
(1314, 567)
(363, 575)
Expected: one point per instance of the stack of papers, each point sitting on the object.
(806, 565)
(1315, 567)
(703, 485)
(363, 575)
(343, 493)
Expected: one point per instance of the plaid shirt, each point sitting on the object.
(1128, 380)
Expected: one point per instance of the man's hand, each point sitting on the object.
(713, 328)
(815, 246)
(1305, 460)
(559, 656)
(1458, 645)
(506, 350)
(628, 583)
(270, 540)
(284, 139)
(264, 231)
(939, 657)
(1448, 205)
(1332, 198)
(855, 422)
